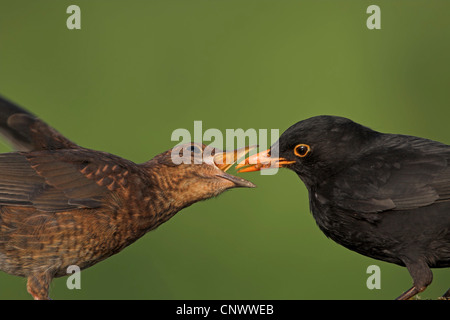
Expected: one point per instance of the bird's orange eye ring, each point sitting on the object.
(302, 150)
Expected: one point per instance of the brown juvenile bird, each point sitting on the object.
(62, 204)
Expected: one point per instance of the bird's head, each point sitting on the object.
(196, 172)
(314, 148)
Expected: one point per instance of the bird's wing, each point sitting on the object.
(58, 180)
(26, 132)
(402, 173)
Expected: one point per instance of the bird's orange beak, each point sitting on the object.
(261, 161)
(224, 160)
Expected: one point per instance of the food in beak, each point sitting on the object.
(260, 161)
(224, 160)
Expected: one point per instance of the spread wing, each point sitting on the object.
(402, 173)
(59, 180)
(26, 132)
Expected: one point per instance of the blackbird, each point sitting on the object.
(62, 204)
(386, 196)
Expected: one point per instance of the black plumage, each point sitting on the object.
(386, 196)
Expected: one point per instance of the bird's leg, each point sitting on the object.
(422, 277)
(408, 294)
(38, 285)
(446, 295)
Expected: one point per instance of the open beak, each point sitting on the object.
(261, 161)
(224, 160)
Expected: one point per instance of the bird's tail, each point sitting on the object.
(25, 132)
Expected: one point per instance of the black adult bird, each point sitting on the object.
(386, 196)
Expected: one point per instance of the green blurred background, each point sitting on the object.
(137, 70)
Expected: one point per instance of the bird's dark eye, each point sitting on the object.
(193, 149)
(302, 150)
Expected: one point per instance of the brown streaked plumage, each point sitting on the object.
(62, 205)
